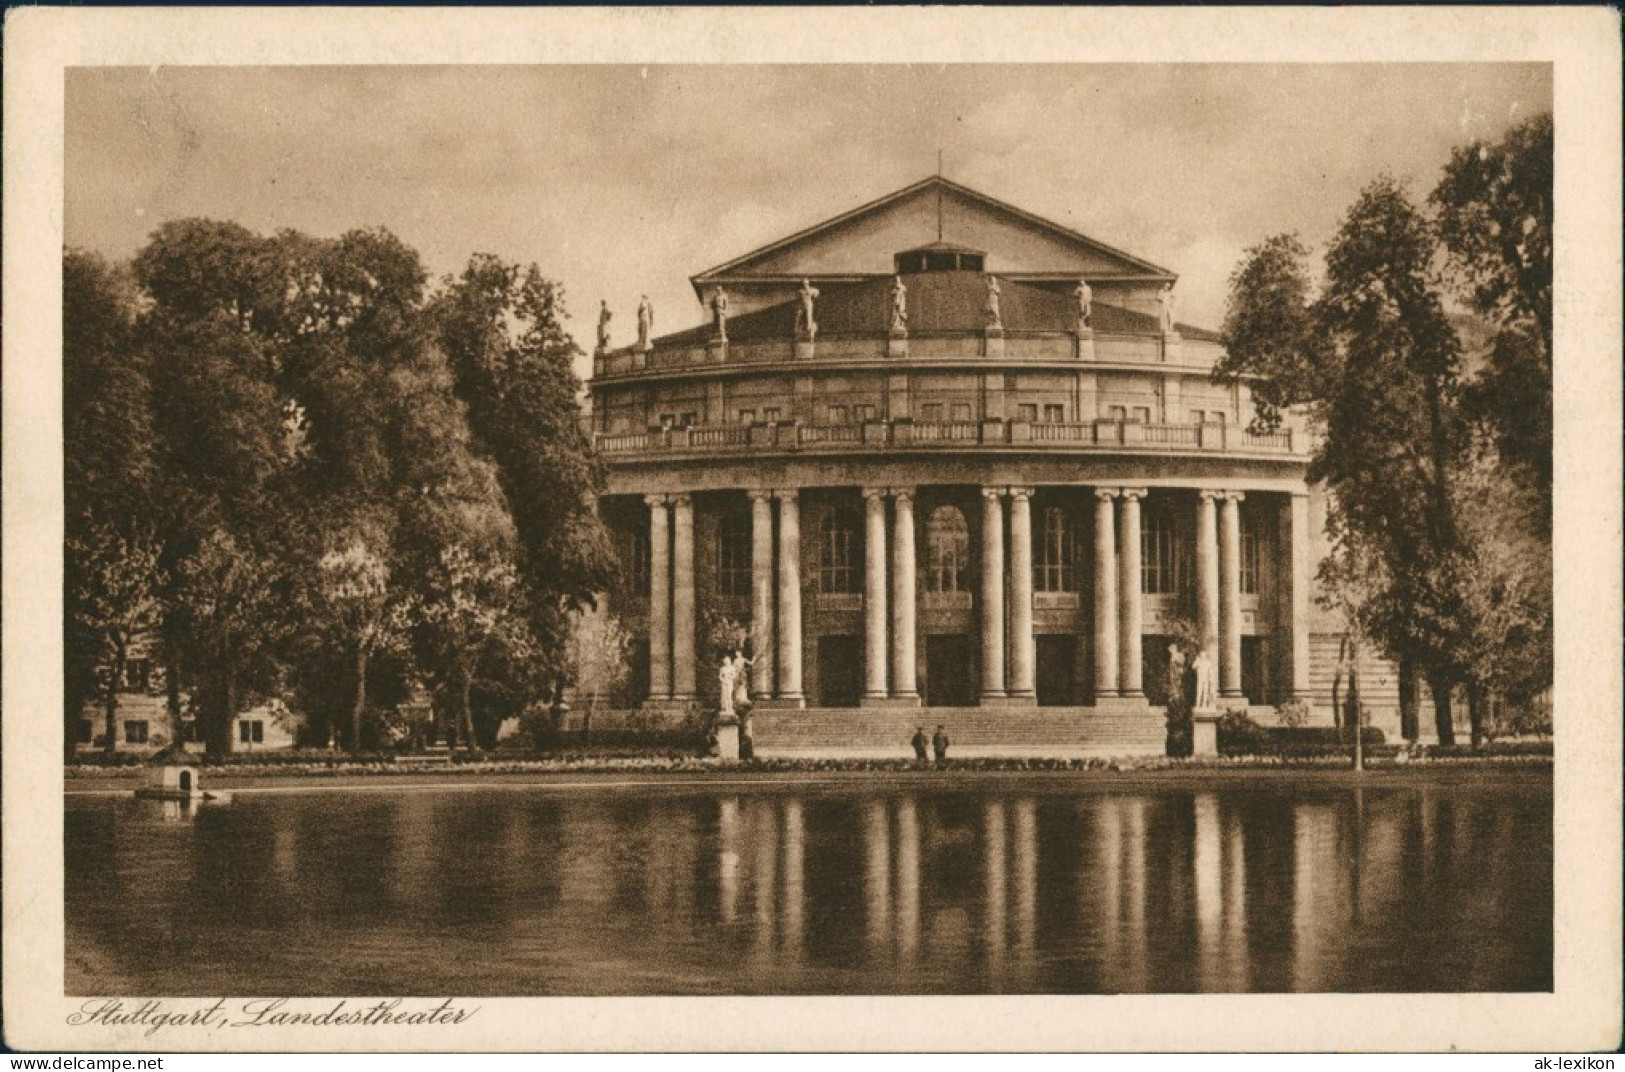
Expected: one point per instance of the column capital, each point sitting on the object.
(1132, 494)
(1209, 495)
(1021, 493)
(681, 499)
(874, 494)
(656, 500)
(760, 495)
(992, 494)
(903, 494)
(1106, 495)
(1233, 496)
(785, 495)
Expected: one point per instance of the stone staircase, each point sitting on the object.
(974, 731)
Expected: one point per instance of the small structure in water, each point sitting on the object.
(175, 781)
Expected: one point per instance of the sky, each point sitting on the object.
(626, 180)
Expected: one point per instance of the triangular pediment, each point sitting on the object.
(863, 242)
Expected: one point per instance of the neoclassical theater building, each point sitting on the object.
(939, 453)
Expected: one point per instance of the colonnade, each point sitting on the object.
(1008, 653)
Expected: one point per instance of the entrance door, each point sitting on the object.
(840, 670)
(948, 670)
(1057, 670)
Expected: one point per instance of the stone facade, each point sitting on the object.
(985, 503)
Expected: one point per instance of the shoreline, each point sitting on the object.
(833, 774)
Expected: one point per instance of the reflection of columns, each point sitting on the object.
(789, 595)
(874, 593)
(1025, 851)
(790, 914)
(1208, 859)
(992, 594)
(1207, 572)
(1235, 903)
(1314, 863)
(877, 875)
(659, 599)
(1021, 593)
(902, 653)
(682, 598)
(1105, 594)
(908, 878)
(1129, 592)
(1109, 841)
(728, 858)
(761, 593)
(1297, 620)
(1136, 834)
(993, 907)
(1230, 594)
(765, 833)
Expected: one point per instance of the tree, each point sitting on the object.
(115, 601)
(600, 657)
(501, 327)
(471, 607)
(228, 599)
(363, 613)
(1375, 359)
(1494, 212)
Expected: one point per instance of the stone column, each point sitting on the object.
(1230, 594)
(1207, 572)
(761, 593)
(1297, 572)
(1130, 595)
(904, 679)
(659, 599)
(1105, 594)
(789, 596)
(682, 598)
(874, 594)
(992, 594)
(1022, 656)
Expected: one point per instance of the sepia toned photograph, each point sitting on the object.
(773, 530)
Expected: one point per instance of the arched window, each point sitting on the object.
(733, 555)
(1161, 566)
(947, 546)
(837, 533)
(1055, 571)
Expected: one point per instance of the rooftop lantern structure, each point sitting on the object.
(939, 257)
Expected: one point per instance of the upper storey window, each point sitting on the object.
(947, 549)
(939, 257)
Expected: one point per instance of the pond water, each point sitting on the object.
(1020, 885)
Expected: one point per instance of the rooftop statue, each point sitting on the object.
(899, 304)
(719, 313)
(1166, 298)
(604, 317)
(995, 318)
(805, 324)
(1085, 298)
(646, 322)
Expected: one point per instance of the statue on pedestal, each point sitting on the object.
(727, 677)
(646, 322)
(1176, 675)
(1085, 298)
(604, 318)
(995, 318)
(719, 313)
(1165, 298)
(899, 305)
(741, 680)
(1204, 680)
(806, 326)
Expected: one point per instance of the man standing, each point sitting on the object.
(939, 744)
(919, 742)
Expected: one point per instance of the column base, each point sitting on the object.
(1233, 702)
(889, 701)
(780, 703)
